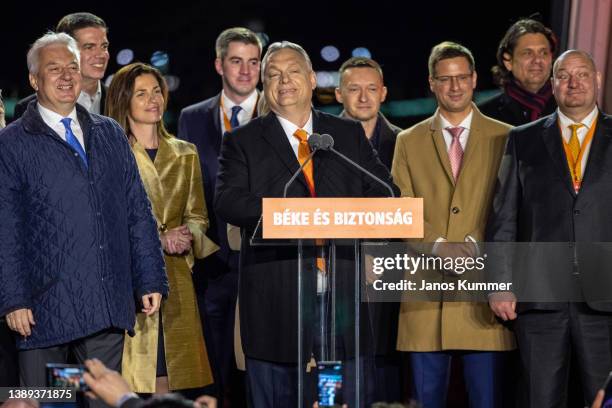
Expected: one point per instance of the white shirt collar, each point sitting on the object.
(248, 105)
(465, 123)
(587, 121)
(52, 118)
(290, 127)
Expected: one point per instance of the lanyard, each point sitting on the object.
(226, 121)
(576, 167)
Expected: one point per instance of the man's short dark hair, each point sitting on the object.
(360, 62)
(447, 50)
(76, 21)
(239, 34)
(501, 75)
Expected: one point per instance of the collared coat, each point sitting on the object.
(78, 242)
(421, 168)
(174, 185)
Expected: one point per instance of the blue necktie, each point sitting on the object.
(234, 119)
(73, 141)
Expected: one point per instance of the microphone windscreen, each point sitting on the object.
(314, 141)
(327, 141)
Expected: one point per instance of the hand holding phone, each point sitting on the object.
(66, 375)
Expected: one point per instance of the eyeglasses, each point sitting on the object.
(447, 79)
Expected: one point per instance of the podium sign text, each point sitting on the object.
(342, 218)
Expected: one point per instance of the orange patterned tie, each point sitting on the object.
(303, 153)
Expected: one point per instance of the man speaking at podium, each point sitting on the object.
(257, 160)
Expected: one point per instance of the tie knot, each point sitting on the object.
(575, 126)
(302, 135)
(66, 122)
(236, 110)
(455, 131)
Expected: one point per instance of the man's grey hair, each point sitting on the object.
(280, 45)
(567, 53)
(46, 40)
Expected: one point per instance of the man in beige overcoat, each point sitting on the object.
(451, 160)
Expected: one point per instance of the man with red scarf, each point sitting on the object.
(524, 62)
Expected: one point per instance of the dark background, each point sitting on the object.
(399, 35)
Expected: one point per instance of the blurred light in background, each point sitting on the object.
(361, 52)
(330, 53)
(327, 79)
(125, 56)
(160, 60)
(108, 80)
(264, 38)
(173, 82)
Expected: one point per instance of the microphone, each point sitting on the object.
(315, 144)
(327, 143)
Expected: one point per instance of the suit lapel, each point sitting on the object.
(275, 135)
(215, 113)
(551, 137)
(438, 140)
(474, 139)
(599, 152)
(149, 175)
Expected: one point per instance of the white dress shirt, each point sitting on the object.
(463, 138)
(566, 133)
(54, 121)
(245, 114)
(290, 129)
(91, 103)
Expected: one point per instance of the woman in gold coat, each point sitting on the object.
(168, 350)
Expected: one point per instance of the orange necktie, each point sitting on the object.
(303, 152)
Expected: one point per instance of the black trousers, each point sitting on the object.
(546, 342)
(106, 346)
(9, 376)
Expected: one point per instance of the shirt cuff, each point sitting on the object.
(434, 249)
(125, 397)
(469, 238)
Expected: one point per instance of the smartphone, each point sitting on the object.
(607, 401)
(66, 375)
(330, 384)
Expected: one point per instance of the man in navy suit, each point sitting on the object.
(238, 53)
(554, 186)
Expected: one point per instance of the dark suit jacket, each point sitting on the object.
(388, 135)
(508, 110)
(22, 105)
(535, 200)
(200, 124)
(256, 161)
